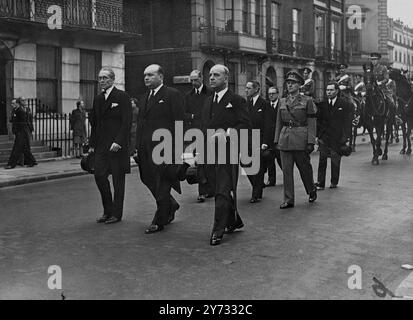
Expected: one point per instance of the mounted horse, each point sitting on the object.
(405, 108)
(378, 114)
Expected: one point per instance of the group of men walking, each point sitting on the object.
(289, 128)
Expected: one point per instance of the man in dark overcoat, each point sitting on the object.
(163, 108)
(110, 119)
(223, 112)
(194, 103)
(333, 131)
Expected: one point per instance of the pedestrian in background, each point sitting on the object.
(269, 163)
(111, 119)
(333, 131)
(22, 128)
(194, 104)
(135, 113)
(77, 122)
(295, 136)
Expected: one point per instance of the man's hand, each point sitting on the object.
(91, 150)
(264, 146)
(115, 147)
(310, 148)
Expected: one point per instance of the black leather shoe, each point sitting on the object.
(286, 205)
(318, 186)
(313, 196)
(253, 200)
(231, 229)
(201, 198)
(215, 240)
(333, 186)
(112, 220)
(153, 228)
(174, 208)
(103, 219)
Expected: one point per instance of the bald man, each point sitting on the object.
(111, 120)
(228, 111)
(163, 107)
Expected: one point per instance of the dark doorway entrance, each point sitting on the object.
(3, 98)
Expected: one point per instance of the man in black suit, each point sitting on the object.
(271, 120)
(111, 119)
(194, 103)
(223, 112)
(258, 110)
(333, 131)
(163, 107)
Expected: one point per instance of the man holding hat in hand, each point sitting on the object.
(295, 136)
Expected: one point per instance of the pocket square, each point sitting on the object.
(229, 105)
(161, 101)
(260, 110)
(340, 109)
(114, 105)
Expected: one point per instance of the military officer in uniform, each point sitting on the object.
(307, 88)
(345, 83)
(295, 136)
(382, 77)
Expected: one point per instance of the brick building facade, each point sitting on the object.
(256, 39)
(58, 62)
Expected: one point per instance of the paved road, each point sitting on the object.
(303, 253)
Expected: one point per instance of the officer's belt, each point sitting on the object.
(292, 123)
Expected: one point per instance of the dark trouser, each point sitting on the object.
(206, 184)
(112, 207)
(160, 187)
(270, 166)
(225, 207)
(257, 182)
(325, 153)
(303, 163)
(21, 147)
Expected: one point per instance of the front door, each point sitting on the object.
(3, 105)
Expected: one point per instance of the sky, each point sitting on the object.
(402, 9)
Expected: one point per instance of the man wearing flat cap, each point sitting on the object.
(295, 135)
(307, 88)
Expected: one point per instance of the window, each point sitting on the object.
(335, 34)
(256, 7)
(296, 25)
(48, 67)
(245, 19)
(229, 15)
(320, 33)
(90, 64)
(395, 55)
(232, 75)
(354, 39)
(275, 20)
(400, 57)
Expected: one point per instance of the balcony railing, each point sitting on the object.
(217, 37)
(75, 13)
(294, 49)
(333, 55)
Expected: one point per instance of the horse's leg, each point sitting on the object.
(396, 132)
(370, 129)
(379, 132)
(409, 142)
(404, 131)
(389, 129)
(353, 139)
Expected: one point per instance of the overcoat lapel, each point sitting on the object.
(158, 97)
(222, 105)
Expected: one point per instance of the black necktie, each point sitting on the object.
(104, 94)
(216, 98)
(331, 103)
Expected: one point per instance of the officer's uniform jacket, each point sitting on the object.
(295, 130)
(345, 83)
(308, 88)
(381, 73)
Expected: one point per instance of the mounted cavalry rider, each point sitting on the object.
(308, 87)
(360, 87)
(381, 74)
(345, 83)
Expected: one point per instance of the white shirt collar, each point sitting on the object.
(108, 91)
(221, 94)
(254, 99)
(333, 101)
(274, 103)
(155, 91)
(200, 88)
